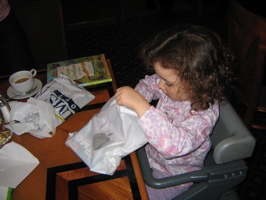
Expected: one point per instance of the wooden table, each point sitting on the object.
(48, 180)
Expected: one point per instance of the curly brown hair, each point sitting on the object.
(199, 57)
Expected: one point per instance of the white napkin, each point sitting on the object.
(36, 117)
(16, 163)
(5, 193)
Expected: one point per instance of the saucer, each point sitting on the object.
(12, 93)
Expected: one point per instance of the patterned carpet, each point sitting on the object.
(120, 43)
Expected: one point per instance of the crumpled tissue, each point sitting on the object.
(35, 116)
(16, 163)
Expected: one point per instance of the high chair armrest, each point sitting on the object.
(196, 176)
(217, 173)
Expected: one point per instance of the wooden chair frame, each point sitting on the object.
(247, 40)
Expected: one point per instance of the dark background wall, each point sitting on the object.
(46, 21)
(44, 25)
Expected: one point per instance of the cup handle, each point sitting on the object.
(33, 72)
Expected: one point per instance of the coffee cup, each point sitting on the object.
(22, 81)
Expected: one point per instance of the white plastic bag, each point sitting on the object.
(109, 136)
(36, 117)
(66, 97)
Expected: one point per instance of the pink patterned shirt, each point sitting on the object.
(178, 138)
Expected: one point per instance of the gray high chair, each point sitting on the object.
(224, 165)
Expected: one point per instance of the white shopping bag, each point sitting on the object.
(109, 136)
(66, 97)
(16, 163)
(35, 116)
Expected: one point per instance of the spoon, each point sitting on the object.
(23, 93)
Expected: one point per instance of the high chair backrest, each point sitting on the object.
(231, 140)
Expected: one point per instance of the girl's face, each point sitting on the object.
(170, 83)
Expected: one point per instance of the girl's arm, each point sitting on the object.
(139, 99)
(148, 88)
(127, 96)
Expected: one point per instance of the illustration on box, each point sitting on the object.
(84, 71)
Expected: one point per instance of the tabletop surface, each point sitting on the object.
(52, 153)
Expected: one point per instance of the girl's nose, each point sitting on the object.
(160, 84)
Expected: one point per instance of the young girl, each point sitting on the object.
(191, 78)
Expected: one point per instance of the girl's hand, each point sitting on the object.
(127, 96)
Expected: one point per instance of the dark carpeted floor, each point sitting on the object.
(120, 43)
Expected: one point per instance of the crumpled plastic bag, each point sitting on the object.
(36, 117)
(110, 135)
(66, 97)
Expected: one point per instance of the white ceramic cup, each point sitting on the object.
(22, 81)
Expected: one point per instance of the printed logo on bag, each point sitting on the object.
(65, 106)
(85, 145)
(100, 139)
